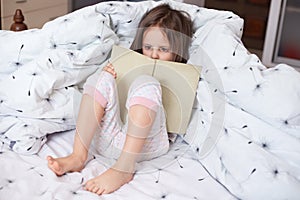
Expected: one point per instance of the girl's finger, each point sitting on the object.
(110, 66)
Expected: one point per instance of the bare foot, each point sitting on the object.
(108, 182)
(70, 163)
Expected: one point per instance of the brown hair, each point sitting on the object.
(177, 26)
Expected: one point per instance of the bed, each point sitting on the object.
(243, 138)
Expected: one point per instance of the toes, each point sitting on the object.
(54, 166)
(100, 191)
(50, 159)
(50, 162)
(89, 185)
(95, 189)
(106, 192)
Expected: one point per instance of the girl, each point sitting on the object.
(163, 33)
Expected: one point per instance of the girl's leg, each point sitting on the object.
(91, 113)
(89, 118)
(140, 122)
(141, 116)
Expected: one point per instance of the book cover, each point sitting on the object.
(178, 81)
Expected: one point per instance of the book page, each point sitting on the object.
(179, 83)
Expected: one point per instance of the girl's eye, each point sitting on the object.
(164, 49)
(147, 47)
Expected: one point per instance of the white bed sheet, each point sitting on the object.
(176, 175)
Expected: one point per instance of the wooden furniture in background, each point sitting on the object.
(36, 12)
(255, 15)
(18, 24)
(77, 4)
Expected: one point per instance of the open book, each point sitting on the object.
(178, 82)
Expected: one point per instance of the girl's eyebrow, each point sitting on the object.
(167, 46)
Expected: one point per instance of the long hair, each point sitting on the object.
(177, 26)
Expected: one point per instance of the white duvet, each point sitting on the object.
(244, 133)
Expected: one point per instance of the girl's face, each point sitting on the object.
(156, 44)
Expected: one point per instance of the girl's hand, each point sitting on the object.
(110, 69)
